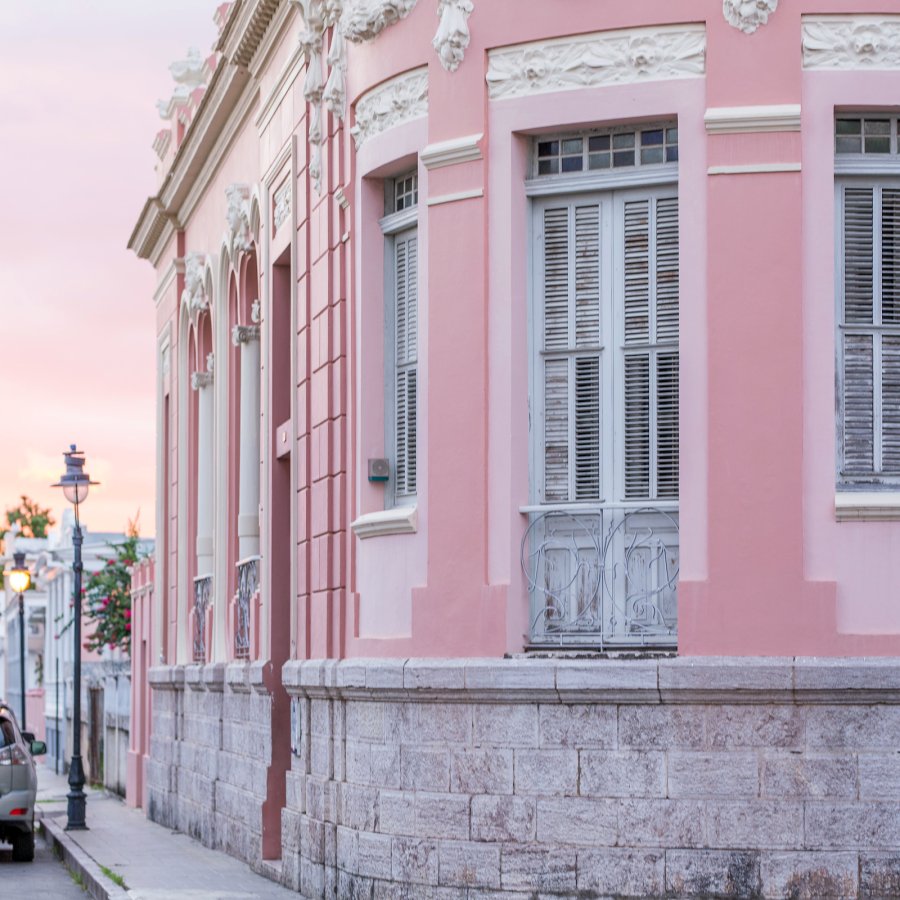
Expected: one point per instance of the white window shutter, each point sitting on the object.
(406, 273)
(650, 326)
(570, 351)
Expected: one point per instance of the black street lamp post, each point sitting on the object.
(75, 484)
(20, 581)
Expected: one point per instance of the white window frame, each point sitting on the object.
(394, 226)
(858, 498)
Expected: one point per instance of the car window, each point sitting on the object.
(7, 733)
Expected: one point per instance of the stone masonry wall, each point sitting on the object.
(469, 780)
(210, 750)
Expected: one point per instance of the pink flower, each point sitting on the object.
(127, 613)
(105, 602)
(128, 626)
(110, 562)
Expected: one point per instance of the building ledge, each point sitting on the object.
(867, 506)
(400, 520)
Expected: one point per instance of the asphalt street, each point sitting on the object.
(44, 879)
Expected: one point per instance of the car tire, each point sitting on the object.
(23, 846)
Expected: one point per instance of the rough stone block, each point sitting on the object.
(385, 765)
(442, 816)
(608, 680)
(397, 812)
(538, 868)
(424, 769)
(810, 876)
(415, 861)
(713, 775)
(447, 723)
(469, 864)
(808, 775)
(359, 807)
(712, 873)
(847, 826)
(853, 727)
(481, 771)
(661, 823)
(354, 887)
(622, 872)
(501, 818)
(755, 824)
(435, 674)
(578, 725)
(879, 776)
(577, 820)
(312, 879)
(374, 855)
(743, 727)
(365, 720)
(546, 772)
(662, 727)
(879, 876)
(347, 849)
(622, 774)
(511, 675)
(506, 725)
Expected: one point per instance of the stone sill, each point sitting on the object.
(665, 680)
(867, 506)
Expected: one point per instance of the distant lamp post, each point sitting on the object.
(20, 581)
(75, 483)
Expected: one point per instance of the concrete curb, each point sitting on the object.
(78, 860)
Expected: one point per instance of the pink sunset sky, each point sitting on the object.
(77, 119)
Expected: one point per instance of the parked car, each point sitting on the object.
(18, 785)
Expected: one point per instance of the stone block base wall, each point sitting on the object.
(210, 751)
(469, 780)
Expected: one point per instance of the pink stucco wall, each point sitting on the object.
(765, 566)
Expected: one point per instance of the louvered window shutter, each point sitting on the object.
(650, 328)
(869, 342)
(405, 361)
(571, 352)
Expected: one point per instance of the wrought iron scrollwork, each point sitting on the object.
(603, 578)
(202, 598)
(247, 586)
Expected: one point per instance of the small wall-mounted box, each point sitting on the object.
(379, 470)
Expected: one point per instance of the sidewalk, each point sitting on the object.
(152, 862)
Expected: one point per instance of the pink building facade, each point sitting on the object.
(529, 448)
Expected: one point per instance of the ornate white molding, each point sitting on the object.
(194, 293)
(857, 42)
(748, 15)
(238, 216)
(189, 73)
(282, 205)
(244, 334)
(204, 379)
(400, 520)
(390, 104)
(452, 152)
(751, 119)
(452, 36)
(364, 20)
(603, 58)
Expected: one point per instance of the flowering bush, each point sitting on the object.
(106, 598)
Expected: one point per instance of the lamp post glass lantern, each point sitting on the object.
(20, 581)
(75, 483)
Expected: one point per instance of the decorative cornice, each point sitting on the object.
(161, 142)
(603, 58)
(249, 31)
(194, 294)
(748, 15)
(452, 36)
(244, 334)
(400, 520)
(190, 73)
(390, 104)
(364, 20)
(750, 119)
(452, 152)
(238, 217)
(146, 238)
(845, 42)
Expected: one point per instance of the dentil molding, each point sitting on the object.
(452, 36)
(603, 58)
(748, 15)
(390, 104)
(857, 42)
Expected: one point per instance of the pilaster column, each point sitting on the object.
(246, 338)
(202, 382)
